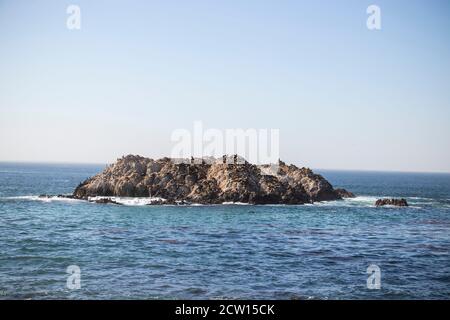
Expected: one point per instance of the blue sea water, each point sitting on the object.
(319, 251)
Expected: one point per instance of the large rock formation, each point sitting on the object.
(208, 183)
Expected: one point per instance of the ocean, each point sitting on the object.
(319, 251)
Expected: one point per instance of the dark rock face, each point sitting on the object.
(344, 193)
(209, 183)
(391, 202)
(106, 201)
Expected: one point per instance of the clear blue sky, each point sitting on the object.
(342, 96)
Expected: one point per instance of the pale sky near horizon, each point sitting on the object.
(343, 97)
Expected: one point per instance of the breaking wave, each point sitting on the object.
(359, 201)
(236, 203)
(43, 199)
(131, 201)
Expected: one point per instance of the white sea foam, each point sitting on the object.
(236, 203)
(419, 198)
(362, 201)
(43, 199)
(122, 200)
(359, 201)
(130, 201)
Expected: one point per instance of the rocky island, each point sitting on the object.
(212, 182)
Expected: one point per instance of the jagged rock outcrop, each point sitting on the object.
(391, 202)
(106, 201)
(213, 182)
(344, 193)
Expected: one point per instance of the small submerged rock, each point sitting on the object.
(344, 193)
(105, 201)
(391, 202)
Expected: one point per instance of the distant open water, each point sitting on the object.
(318, 251)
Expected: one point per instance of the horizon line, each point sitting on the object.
(315, 169)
